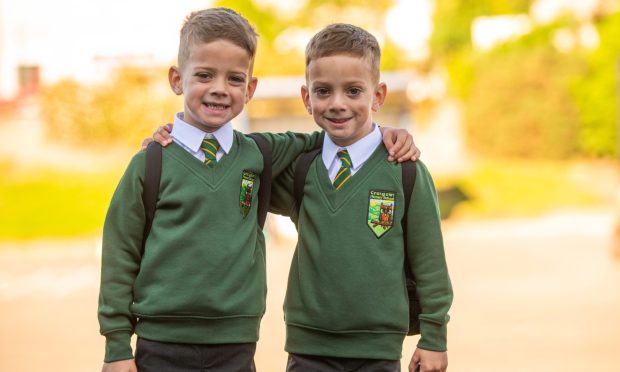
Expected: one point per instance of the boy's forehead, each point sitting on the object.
(325, 64)
(200, 49)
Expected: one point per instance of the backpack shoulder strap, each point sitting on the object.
(299, 178)
(264, 192)
(409, 173)
(150, 191)
(408, 180)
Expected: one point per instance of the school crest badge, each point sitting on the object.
(380, 211)
(247, 190)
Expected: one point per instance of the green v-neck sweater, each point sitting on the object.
(346, 294)
(201, 277)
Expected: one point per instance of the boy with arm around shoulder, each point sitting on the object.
(346, 304)
(194, 290)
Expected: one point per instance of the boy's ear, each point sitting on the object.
(174, 78)
(251, 89)
(380, 93)
(305, 96)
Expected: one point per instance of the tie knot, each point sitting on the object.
(209, 147)
(345, 158)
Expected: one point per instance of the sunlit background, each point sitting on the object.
(513, 103)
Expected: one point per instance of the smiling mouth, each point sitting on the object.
(215, 106)
(338, 120)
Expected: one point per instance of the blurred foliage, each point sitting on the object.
(453, 19)
(42, 202)
(597, 93)
(124, 109)
(519, 101)
(524, 98)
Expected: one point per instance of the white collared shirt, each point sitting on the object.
(190, 137)
(359, 152)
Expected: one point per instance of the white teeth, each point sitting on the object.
(217, 107)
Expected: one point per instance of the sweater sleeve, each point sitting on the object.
(286, 147)
(428, 263)
(282, 197)
(121, 255)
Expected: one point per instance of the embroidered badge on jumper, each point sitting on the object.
(247, 188)
(380, 211)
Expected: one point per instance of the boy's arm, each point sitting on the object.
(398, 142)
(121, 255)
(282, 198)
(428, 263)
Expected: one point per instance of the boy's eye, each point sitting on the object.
(354, 91)
(321, 92)
(204, 75)
(237, 79)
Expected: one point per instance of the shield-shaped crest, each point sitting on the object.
(380, 211)
(247, 190)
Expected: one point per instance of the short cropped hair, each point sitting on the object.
(342, 38)
(207, 25)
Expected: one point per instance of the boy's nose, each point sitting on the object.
(337, 102)
(218, 87)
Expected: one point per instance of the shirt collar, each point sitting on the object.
(192, 137)
(359, 151)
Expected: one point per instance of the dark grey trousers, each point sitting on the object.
(154, 356)
(311, 363)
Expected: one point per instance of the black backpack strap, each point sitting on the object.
(264, 192)
(408, 179)
(299, 180)
(150, 191)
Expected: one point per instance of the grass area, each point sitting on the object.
(46, 203)
(49, 203)
(525, 188)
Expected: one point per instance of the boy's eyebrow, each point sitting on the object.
(204, 68)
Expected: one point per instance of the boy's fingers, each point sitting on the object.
(146, 142)
(416, 154)
(406, 150)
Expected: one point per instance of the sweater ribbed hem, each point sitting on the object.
(359, 344)
(200, 331)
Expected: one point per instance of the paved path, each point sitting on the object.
(531, 295)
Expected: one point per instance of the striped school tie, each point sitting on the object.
(345, 169)
(209, 147)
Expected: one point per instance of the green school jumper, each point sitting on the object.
(346, 294)
(201, 278)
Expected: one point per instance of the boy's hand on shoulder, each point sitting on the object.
(400, 145)
(428, 361)
(161, 135)
(128, 365)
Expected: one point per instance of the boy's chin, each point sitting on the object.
(208, 127)
(340, 139)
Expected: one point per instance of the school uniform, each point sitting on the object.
(346, 300)
(201, 277)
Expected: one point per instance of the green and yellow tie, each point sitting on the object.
(209, 147)
(345, 169)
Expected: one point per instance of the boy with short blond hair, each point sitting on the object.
(346, 305)
(194, 289)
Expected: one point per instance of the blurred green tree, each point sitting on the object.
(597, 95)
(122, 110)
(524, 97)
